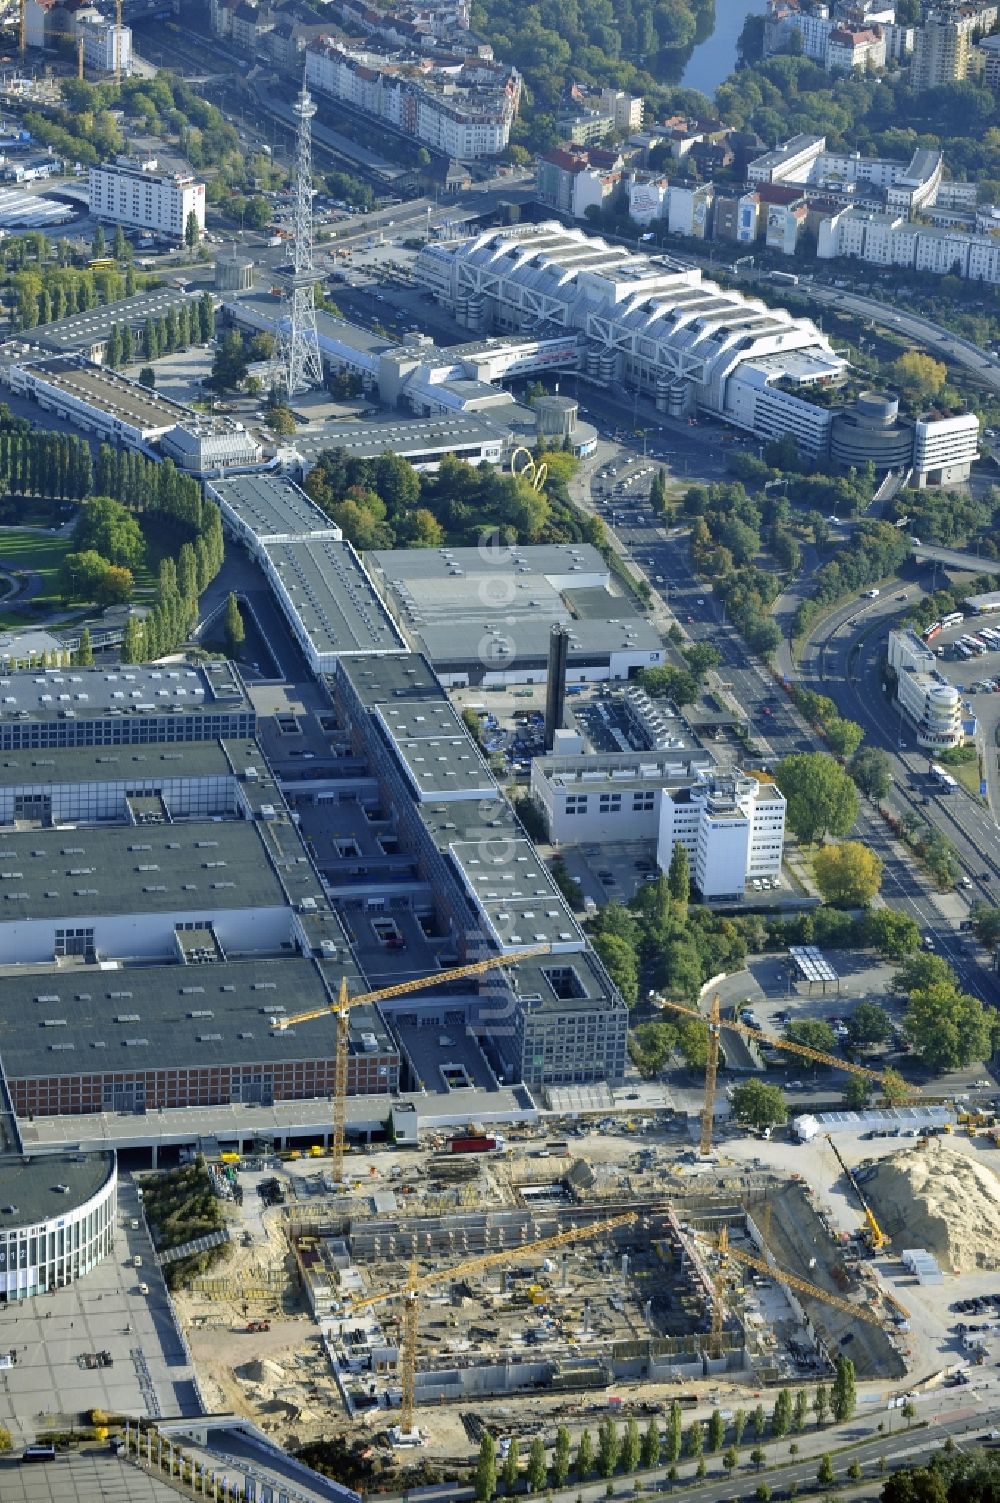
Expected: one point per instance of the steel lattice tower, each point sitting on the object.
(296, 363)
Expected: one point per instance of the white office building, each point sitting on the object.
(163, 202)
(733, 829)
(931, 705)
(944, 448)
(107, 48)
(647, 322)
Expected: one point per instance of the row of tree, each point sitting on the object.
(35, 462)
(874, 552)
(627, 1449)
(179, 586)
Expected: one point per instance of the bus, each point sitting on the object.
(943, 779)
(785, 276)
(932, 632)
(955, 619)
(102, 263)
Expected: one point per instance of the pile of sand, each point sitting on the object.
(261, 1370)
(941, 1200)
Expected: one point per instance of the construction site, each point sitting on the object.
(543, 1276)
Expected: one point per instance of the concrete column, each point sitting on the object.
(149, 1447)
(154, 1151)
(159, 1453)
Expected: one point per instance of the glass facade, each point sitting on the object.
(54, 1253)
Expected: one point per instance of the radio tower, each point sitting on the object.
(296, 363)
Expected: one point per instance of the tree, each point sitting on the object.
(730, 1458)
(147, 377)
(894, 935)
(781, 1418)
(870, 769)
(985, 924)
(843, 1398)
(651, 1444)
(609, 1448)
(679, 875)
(584, 1457)
(909, 1412)
(98, 244)
(758, 1105)
(560, 1457)
(949, 1029)
(822, 800)
(110, 529)
(281, 420)
(821, 1406)
(192, 231)
(694, 1439)
(716, 1431)
(759, 1421)
(762, 1493)
(814, 1035)
(674, 1431)
(235, 632)
(739, 1425)
(856, 1093)
(919, 376)
(538, 1471)
(132, 642)
(854, 1471)
(631, 1446)
(758, 1456)
(800, 1411)
(510, 1470)
(849, 874)
(825, 1475)
(486, 1469)
(868, 1026)
(84, 656)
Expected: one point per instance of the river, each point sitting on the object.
(712, 60)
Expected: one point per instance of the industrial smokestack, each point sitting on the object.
(555, 688)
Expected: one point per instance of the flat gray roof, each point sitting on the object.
(462, 603)
(272, 506)
(511, 883)
(100, 869)
(333, 596)
(86, 693)
(80, 331)
(393, 677)
(43, 1189)
(409, 437)
(436, 749)
(169, 1016)
(155, 760)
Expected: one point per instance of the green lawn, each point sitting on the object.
(37, 553)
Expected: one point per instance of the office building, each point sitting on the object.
(107, 48)
(733, 829)
(931, 705)
(944, 448)
(127, 194)
(644, 322)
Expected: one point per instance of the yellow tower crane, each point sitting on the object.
(343, 1007)
(22, 37)
(417, 1283)
(802, 1286)
(716, 1024)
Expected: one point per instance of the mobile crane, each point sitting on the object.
(874, 1235)
(341, 1009)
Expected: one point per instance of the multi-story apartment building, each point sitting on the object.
(944, 47)
(885, 240)
(124, 193)
(107, 48)
(464, 109)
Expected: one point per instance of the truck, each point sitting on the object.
(274, 240)
(477, 1144)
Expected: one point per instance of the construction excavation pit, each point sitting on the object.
(562, 1300)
